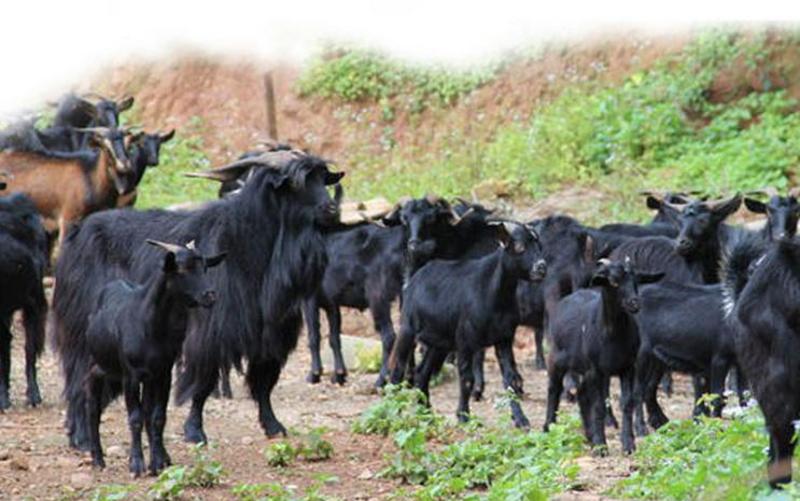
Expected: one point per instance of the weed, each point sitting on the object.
(112, 492)
(368, 359)
(280, 454)
(399, 409)
(204, 472)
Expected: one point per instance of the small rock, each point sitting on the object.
(20, 463)
(365, 475)
(247, 440)
(115, 451)
(4, 454)
(80, 480)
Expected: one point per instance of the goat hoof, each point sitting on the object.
(600, 450)
(194, 435)
(136, 466)
(339, 378)
(477, 395)
(522, 423)
(34, 398)
(657, 422)
(275, 429)
(380, 382)
(98, 463)
(463, 417)
(571, 396)
(313, 378)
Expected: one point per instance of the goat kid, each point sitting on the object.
(134, 339)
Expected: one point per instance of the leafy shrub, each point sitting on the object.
(399, 409)
(360, 75)
(315, 448)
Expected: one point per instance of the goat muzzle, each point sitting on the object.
(538, 270)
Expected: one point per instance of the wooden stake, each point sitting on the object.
(269, 99)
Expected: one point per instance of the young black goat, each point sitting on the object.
(23, 256)
(465, 306)
(594, 336)
(134, 336)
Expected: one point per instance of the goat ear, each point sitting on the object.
(125, 104)
(755, 206)
(721, 210)
(649, 278)
(653, 203)
(503, 235)
(215, 260)
(170, 264)
(163, 138)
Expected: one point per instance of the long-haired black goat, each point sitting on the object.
(23, 256)
(272, 233)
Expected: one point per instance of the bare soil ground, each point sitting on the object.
(35, 462)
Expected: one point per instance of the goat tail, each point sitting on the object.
(738, 261)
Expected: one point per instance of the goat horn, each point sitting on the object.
(370, 220)
(457, 219)
(167, 247)
(216, 176)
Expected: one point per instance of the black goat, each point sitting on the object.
(594, 336)
(272, 232)
(663, 223)
(466, 306)
(134, 336)
(143, 152)
(763, 290)
(23, 256)
(682, 328)
(365, 270)
(782, 214)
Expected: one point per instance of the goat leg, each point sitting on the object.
(5, 363)
(477, 370)
(135, 424)
(311, 314)
(339, 375)
(34, 320)
(627, 403)
(94, 395)
(262, 376)
(466, 382)
(512, 380)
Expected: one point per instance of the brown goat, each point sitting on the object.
(67, 187)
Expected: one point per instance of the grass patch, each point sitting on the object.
(166, 184)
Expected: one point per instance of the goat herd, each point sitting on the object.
(225, 285)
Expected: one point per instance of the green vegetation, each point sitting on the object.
(712, 117)
(356, 75)
(310, 446)
(204, 472)
(276, 492)
(704, 459)
(400, 409)
(368, 359)
(452, 462)
(166, 184)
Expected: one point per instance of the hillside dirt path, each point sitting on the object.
(35, 462)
